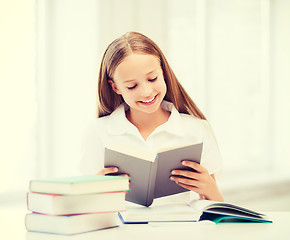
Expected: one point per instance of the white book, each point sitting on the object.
(196, 210)
(70, 224)
(53, 204)
(94, 235)
(79, 184)
(169, 212)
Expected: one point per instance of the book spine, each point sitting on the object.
(27, 204)
(151, 183)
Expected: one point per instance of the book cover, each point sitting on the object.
(219, 218)
(150, 172)
(223, 212)
(53, 204)
(93, 235)
(70, 224)
(80, 185)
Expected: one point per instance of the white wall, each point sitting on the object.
(67, 34)
(226, 53)
(17, 94)
(232, 56)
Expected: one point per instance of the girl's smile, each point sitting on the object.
(150, 101)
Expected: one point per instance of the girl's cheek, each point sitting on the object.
(134, 94)
(161, 86)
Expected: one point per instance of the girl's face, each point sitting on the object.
(139, 79)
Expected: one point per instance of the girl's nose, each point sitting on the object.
(146, 90)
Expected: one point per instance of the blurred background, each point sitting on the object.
(232, 56)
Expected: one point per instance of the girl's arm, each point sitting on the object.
(200, 181)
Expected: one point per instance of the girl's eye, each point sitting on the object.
(152, 80)
(130, 88)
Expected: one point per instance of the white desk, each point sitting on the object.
(12, 227)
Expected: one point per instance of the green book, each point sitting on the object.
(222, 212)
(80, 185)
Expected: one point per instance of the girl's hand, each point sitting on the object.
(200, 181)
(111, 171)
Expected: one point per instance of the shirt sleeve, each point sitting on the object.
(92, 151)
(211, 157)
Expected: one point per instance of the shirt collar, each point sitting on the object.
(119, 124)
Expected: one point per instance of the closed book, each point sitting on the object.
(70, 224)
(150, 172)
(93, 235)
(53, 204)
(80, 185)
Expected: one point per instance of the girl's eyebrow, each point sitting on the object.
(135, 79)
(129, 81)
(151, 72)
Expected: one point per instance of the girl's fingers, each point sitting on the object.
(186, 181)
(189, 187)
(108, 170)
(185, 173)
(196, 166)
(123, 175)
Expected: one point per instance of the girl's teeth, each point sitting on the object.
(149, 100)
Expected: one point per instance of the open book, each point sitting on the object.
(196, 210)
(150, 172)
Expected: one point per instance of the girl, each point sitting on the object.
(142, 104)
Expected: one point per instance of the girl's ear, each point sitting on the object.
(114, 86)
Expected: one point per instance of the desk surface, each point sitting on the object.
(12, 227)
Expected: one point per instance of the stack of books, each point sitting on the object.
(74, 205)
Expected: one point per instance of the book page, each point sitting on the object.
(222, 207)
(201, 205)
(132, 151)
(165, 212)
(175, 147)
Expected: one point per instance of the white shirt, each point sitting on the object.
(180, 129)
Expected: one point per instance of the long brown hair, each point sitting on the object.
(117, 51)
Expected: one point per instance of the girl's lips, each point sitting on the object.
(150, 101)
